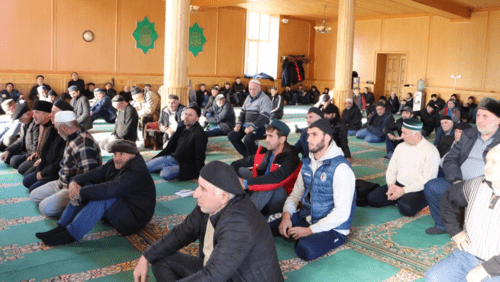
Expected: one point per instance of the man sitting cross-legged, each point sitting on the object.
(81, 154)
(184, 156)
(477, 257)
(325, 187)
(121, 192)
(274, 169)
(220, 118)
(235, 243)
(374, 131)
(414, 162)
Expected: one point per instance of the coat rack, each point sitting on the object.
(295, 58)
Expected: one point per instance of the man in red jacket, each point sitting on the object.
(274, 169)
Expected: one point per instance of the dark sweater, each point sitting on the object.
(352, 118)
(126, 124)
(188, 147)
(133, 188)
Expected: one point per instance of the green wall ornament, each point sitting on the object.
(196, 39)
(145, 35)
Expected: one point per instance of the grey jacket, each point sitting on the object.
(81, 107)
(460, 152)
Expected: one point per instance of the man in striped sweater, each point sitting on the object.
(252, 122)
(478, 255)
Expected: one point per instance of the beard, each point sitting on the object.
(318, 146)
(487, 129)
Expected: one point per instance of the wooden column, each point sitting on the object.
(175, 73)
(345, 45)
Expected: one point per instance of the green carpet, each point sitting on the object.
(382, 246)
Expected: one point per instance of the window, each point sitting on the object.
(261, 48)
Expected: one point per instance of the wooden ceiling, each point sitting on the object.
(314, 9)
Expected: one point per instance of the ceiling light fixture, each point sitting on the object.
(323, 28)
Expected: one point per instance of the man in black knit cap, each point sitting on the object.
(235, 241)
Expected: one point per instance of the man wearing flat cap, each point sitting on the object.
(301, 146)
(184, 156)
(220, 118)
(466, 159)
(374, 131)
(9, 132)
(252, 122)
(82, 154)
(275, 168)
(326, 188)
(413, 163)
(103, 107)
(235, 242)
(121, 192)
(125, 124)
(81, 107)
(26, 144)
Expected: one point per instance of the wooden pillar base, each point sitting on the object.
(339, 97)
(181, 92)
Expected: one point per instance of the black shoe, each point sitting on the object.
(61, 238)
(434, 231)
(48, 234)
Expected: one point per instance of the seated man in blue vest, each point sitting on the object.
(326, 188)
(275, 168)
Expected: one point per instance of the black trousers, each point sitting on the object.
(176, 267)
(408, 205)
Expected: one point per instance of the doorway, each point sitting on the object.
(390, 74)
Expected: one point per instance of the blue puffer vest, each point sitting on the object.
(317, 200)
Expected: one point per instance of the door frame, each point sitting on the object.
(380, 70)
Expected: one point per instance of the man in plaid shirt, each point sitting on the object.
(81, 155)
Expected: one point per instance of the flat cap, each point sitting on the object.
(222, 176)
(72, 88)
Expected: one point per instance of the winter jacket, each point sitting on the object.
(430, 121)
(51, 155)
(283, 172)
(223, 116)
(133, 188)
(453, 113)
(393, 104)
(340, 138)
(126, 124)
(244, 248)
(81, 107)
(255, 111)
(27, 141)
(460, 152)
(377, 124)
(187, 146)
(352, 118)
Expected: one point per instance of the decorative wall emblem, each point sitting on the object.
(196, 39)
(145, 35)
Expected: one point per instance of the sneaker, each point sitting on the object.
(434, 231)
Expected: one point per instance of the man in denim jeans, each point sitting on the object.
(184, 156)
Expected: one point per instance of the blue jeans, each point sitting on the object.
(248, 146)
(368, 136)
(433, 191)
(79, 220)
(313, 246)
(352, 132)
(455, 268)
(167, 165)
(214, 131)
(273, 199)
(30, 181)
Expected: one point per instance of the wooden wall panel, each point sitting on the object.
(457, 48)
(325, 54)
(129, 58)
(26, 34)
(231, 42)
(410, 36)
(204, 62)
(366, 43)
(294, 39)
(492, 81)
(72, 53)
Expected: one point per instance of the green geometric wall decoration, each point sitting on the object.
(145, 35)
(196, 39)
